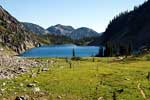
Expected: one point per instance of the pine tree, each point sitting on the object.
(73, 52)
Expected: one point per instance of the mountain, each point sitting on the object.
(34, 28)
(69, 31)
(13, 35)
(128, 28)
(60, 29)
(66, 34)
(83, 33)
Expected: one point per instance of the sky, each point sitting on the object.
(95, 14)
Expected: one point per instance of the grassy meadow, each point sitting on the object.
(84, 79)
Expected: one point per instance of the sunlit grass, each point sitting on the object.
(86, 80)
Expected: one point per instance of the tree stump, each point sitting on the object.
(148, 76)
(114, 96)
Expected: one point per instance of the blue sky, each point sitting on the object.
(94, 14)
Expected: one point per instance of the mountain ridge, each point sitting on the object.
(66, 30)
(35, 28)
(71, 32)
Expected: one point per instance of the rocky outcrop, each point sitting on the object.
(12, 66)
(13, 34)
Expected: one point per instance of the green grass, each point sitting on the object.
(86, 80)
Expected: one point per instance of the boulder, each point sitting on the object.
(31, 85)
(45, 69)
(36, 89)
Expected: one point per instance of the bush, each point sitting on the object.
(147, 57)
(76, 58)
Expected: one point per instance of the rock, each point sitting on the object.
(100, 98)
(31, 85)
(36, 89)
(59, 97)
(16, 66)
(25, 97)
(19, 98)
(35, 81)
(22, 69)
(42, 93)
(127, 79)
(1, 49)
(45, 69)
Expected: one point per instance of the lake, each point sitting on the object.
(62, 51)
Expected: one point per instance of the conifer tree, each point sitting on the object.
(73, 52)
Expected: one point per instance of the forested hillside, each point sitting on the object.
(130, 28)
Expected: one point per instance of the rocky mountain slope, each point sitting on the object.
(128, 28)
(13, 34)
(61, 29)
(69, 31)
(35, 28)
(83, 33)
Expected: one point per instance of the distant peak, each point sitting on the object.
(83, 28)
(59, 25)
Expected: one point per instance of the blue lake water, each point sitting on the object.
(62, 51)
